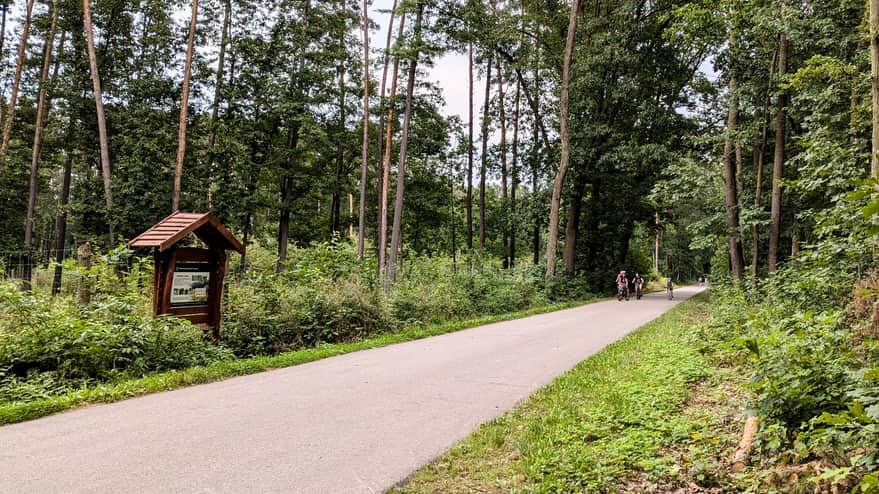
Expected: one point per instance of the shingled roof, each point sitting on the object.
(179, 225)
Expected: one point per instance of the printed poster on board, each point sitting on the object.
(190, 286)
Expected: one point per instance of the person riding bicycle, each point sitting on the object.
(638, 281)
(622, 283)
(670, 288)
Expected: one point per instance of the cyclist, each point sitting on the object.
(622, 283)
(670, 288)
(639, 285)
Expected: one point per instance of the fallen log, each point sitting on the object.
(740, 459)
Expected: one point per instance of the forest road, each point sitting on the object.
(357, 423)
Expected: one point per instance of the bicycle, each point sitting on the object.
(622, 291)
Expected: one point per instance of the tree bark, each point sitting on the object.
(570, 253)
(184, 108)
(514, 171)
(102, 121)
(35, 153)
(535, 149)
(483, 165)
(564, 134)
(404, 144)
(61, 221)
(84, 261)
(381, 134)
(778, 164)
(16, 82)
(218, 88)
(730, 195)
(502, 124)
(361, 228)
(386, 172)
(470, 151)
(874, 75)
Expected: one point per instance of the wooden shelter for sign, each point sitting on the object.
(188, 281)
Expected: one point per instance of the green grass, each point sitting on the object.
(120, 390)
(649, 413)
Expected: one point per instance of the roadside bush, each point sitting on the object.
(46, 343)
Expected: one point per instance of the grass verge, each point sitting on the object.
(115, 391)
(649, 413)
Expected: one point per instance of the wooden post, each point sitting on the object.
(84, 261)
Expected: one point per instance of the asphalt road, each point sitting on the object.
(360, 422)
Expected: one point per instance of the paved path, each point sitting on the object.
(356, 423)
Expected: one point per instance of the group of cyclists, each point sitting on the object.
(623, 283)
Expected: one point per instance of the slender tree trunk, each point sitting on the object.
(874, 75)
(293, 134)
(361, 228)
(184, 107)
(535, 149)
(381, 130)
(16, 82)
(483, 166)
(404, 144)
(386, 171)
(565, 141)
(470, 150)
(61, 221)
(35, 154)
(218, 91)
(4, 9)
(729, 185)
(514, 171)
(759, 157)
(656, 244)
(502, 124)
(570, 252)
(102, 121)
(286, 201)
(778, 164)
(515, 174)
(454, 220)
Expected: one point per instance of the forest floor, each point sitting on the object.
(359, 422)
(650, 413)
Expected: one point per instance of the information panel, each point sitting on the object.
(190, 286)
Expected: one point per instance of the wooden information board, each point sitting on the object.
(188, 281)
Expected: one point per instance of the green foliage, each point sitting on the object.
(47, 345)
